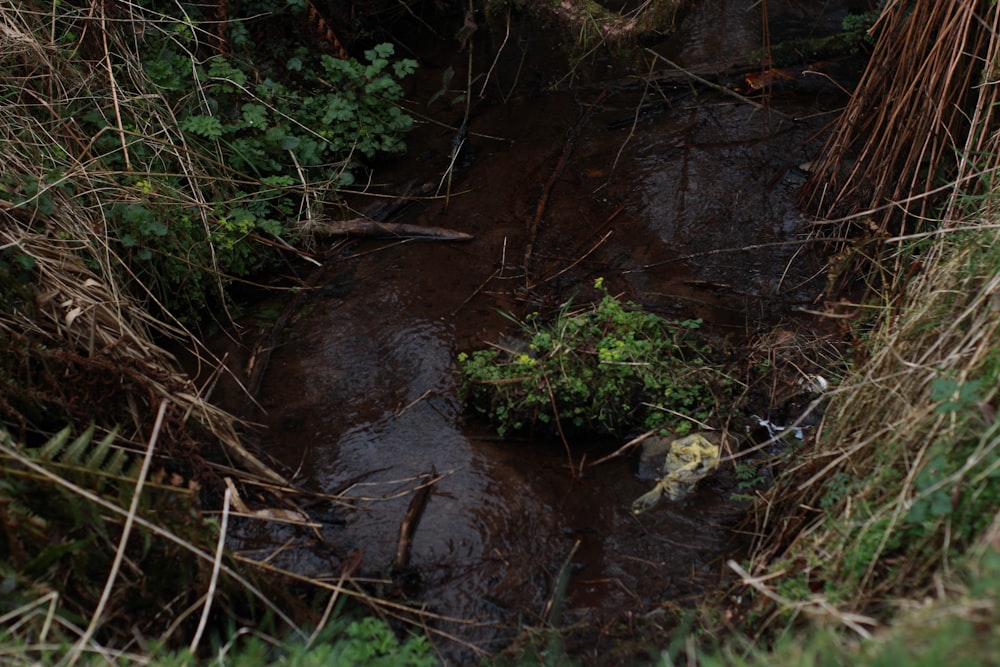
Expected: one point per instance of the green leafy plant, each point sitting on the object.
(954, 396)
(750, 476)
(204, 163)
(335, 109)
(604, 369)
(346, 640)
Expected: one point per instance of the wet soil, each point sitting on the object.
(681, 197)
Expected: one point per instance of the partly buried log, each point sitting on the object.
(363, 226)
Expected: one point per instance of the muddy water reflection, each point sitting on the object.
(361, 400)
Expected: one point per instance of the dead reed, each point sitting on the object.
(902, 484)
(922, 111)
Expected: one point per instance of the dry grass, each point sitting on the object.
(840, 525)
(79, 346)
(920, 114)
(903, 481)
(84, 339)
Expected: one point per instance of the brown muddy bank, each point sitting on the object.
(681, 197)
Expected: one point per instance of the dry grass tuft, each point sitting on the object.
(910, 447)
(79, 347)
(923, 112)
(904, 481)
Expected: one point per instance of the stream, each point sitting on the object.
(687, 207)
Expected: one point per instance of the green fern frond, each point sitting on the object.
(84, 457)
(14, 511)
(77, 450)
(56, 443)
(105, 458)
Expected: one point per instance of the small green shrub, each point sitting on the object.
(605, 369)
(335, 108)
(273, 137)
(196, 165)
(363, 642)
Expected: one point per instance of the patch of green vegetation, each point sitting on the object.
(852, 39)
(199, 162)
(962, 630)
(750, 476)
(959, 481)
(365, 642)
(359, 642)
(61, 508)
(604, 369)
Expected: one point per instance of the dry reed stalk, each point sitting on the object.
(884, 425)
(842, 515)
(909, 115)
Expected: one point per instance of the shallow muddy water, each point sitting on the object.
(688, 208)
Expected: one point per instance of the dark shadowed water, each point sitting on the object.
(695, 201)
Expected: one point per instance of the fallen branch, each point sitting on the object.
(368, 227)
(714, 86)
(413, 514)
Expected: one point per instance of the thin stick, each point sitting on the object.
(496, 59)
(351, 563)
(584, 256)
(635, 119)
(114, 89)
(627, 446)
(216, 565)
(95, 619)
(543, 199)
(714, 86)
(414, 512)
(562, 436)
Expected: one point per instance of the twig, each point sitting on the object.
(114, 89)
(496, 274)
(562, 436)
(130, 518)
(714, 86)
(554, 606)
(216, 565)
(351, 563)
(678, 414)
(365, 227)
(496, 58)
(627, 446)
(582, 257)
(413, 514)
(403, 410)
(543, 199)
(635, 120)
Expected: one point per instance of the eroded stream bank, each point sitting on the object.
(688, 207)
